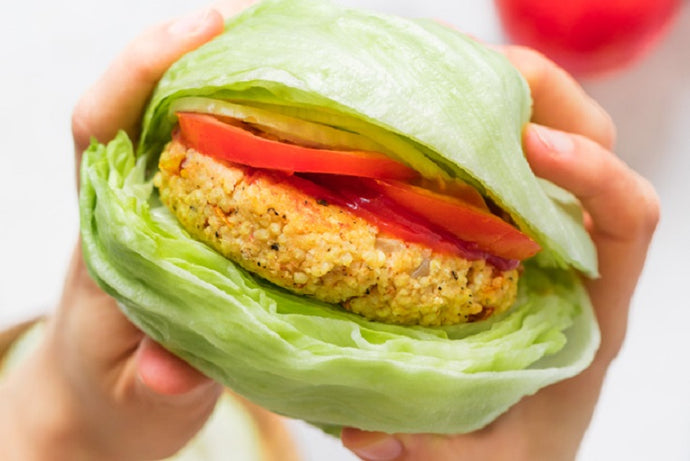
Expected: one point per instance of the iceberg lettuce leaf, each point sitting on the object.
(307, 359)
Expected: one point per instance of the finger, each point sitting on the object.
(86, 314)
(166, 374)
(559, 101)
(622, 204)
(229, 8)
(624, 211)
(378, 446)
(372, 446)
(118, 99)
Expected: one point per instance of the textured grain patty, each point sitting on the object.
(287, 237)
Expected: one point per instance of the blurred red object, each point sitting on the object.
(588, 37)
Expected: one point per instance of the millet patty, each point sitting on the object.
(321, 250)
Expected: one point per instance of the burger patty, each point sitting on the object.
(312, 248)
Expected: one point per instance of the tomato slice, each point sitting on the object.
(414, 214)
(464, 220)
(454, 188)
(364, 199)
(212, 137)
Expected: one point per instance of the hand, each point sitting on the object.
(97, 388)
(621, 213)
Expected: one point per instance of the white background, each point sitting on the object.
(51, 51)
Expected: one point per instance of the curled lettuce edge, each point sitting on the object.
(306, 359)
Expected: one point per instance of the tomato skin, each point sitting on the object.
(443, 223)
(454, 188)
(588, 37)
(465, 221)
(364, 199)
(223, 141)
(360, 197)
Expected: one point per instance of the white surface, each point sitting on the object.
(51, 51)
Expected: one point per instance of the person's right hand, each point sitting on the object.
(569, 142)
(97, 388)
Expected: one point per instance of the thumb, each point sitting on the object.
(372, 446)
(118, 99)
(165, 374)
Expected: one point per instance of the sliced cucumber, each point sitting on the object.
(288, 128)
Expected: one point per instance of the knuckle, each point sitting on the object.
(80, 122)
(524, 54)
(140, 63)
(606, 132)
(625, 205)
(650, 207)
(140, 59)
(643, 210)
(532, 64)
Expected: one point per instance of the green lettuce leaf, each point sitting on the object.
(441, 102)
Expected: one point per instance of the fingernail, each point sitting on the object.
(555, 141)
(190, 24)
(386, 448)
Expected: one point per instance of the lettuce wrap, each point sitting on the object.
(434, 99)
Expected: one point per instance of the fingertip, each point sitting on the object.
(205, 22)
(118, 98)
(545, 139)
(165, 374)
(547, 151)
(152, 53)
(371, 446)
(229, 8)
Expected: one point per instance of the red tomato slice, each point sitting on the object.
(212, 137)
(456, 189)
(465, 221)
(364, 198)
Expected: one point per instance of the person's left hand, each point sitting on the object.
(98, 388)
(569, 142)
